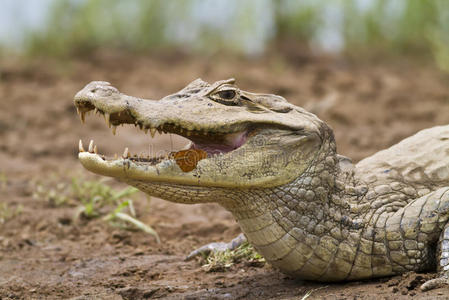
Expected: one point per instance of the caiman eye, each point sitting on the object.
(227, 94)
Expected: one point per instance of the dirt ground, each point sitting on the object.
(45, 254)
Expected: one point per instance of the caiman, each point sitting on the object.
(307, 210)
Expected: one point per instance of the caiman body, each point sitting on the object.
(309, 211)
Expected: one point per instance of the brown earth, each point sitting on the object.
(45, 253)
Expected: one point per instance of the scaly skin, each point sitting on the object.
(309, 211)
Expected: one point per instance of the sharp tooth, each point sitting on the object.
(91, 146)
(189, 133)
(107, 118)
(145, 130)
(180, 130)
(95, 111)
(114, 129)
(125, 153)
(95, 149)
(82, 117)
(152, 131)
(77, 110)
(80, 146)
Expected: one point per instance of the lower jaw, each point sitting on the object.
(187, 159)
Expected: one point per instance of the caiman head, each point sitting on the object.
(238, 139)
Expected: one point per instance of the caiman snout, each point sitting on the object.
(96, 89)
(101, 96)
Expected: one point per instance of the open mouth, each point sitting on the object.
(203, 144)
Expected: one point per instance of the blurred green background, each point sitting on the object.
(358, 28)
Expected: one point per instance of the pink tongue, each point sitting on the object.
(232, 142)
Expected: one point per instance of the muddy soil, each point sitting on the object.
(46, 254)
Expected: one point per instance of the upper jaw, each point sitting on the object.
(118, 109)
(150, 115)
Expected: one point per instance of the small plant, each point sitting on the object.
(96, 196)
(6, 212)
(220, 261)
(94, 199)
(118, 215)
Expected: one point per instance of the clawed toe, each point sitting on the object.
(207, 249)
(217, 247)
(434, 284)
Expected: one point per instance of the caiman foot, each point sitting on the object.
(442, 263)
(217, 247)
(435, 284)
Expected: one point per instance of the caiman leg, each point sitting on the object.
(417, 237)
(218, 247)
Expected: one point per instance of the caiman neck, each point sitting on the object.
(311, 194)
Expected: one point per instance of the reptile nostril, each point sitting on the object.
(93, 90)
